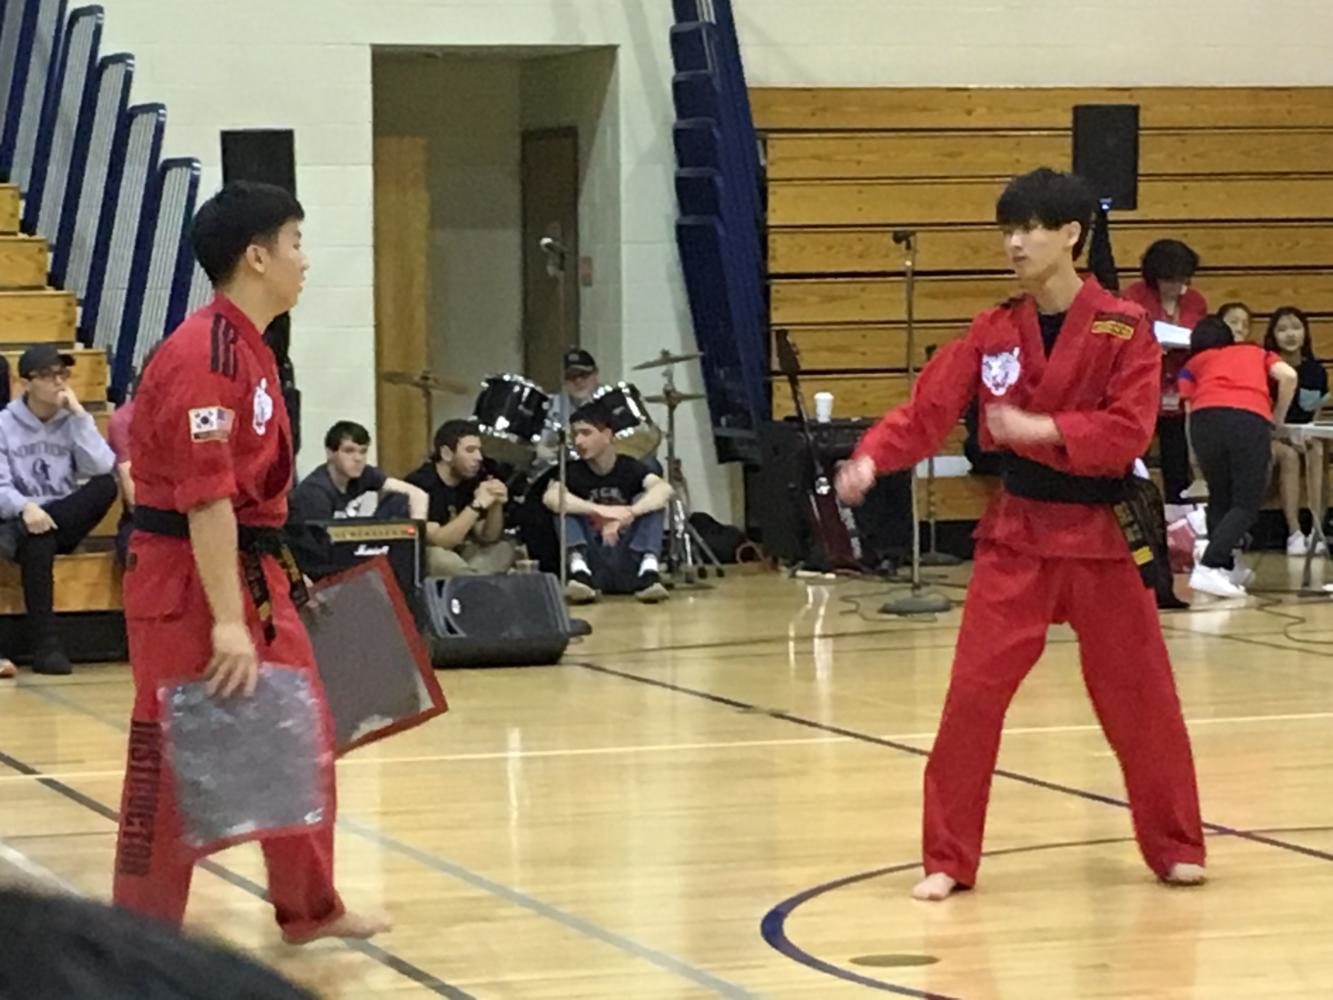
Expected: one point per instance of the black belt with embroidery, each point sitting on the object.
(1135, 502)
(252, 544)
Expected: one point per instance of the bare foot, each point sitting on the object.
(1185, 874)
(349, 925)
(934, 887)
(7, 669)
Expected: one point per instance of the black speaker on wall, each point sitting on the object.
(260, 154)
(1106, 151)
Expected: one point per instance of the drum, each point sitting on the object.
(636, 434)
(512, 414)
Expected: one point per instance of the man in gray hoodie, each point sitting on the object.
(55, 486)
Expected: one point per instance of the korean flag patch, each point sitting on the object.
(210, 423)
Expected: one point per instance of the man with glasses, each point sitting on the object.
(55, 486)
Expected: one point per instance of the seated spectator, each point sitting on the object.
(118, 436)
(1288, 337)
(346, 486)
(76, 949)
(1238, 317)
(48, 443)
(614, 516)
(465, 513)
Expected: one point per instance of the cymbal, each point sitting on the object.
(675, 397)
(425, 380)
(667, 358)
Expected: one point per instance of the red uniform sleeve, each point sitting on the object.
(1105, 441)
(196, 424)
(915, 430)
(1270, 359)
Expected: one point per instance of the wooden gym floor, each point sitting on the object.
(720, 797)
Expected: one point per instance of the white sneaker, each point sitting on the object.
(1242, 575)
(1211, 580)
(1297, 544)
(1198, 519)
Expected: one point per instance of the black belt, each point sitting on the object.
(1129, 498)
(252, 544)
(1031, 480)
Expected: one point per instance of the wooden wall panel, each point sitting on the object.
(881, 300)
(853, 395)
(817, 251)
(907, 202)
(823, 156)
(36, 317)
(879, 108)
(861, 347)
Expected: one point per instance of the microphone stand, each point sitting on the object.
(934, 557)
(916, 601)
(555, 267)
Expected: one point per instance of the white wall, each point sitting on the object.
(306, 64)
(579, 90)
(1047, 43)
(468, 110)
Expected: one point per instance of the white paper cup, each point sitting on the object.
(823, 407)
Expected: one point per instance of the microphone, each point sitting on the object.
(551, 246)
(901, 236)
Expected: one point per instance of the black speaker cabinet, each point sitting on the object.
(515, 620)
(1106, 151)
(266, 155)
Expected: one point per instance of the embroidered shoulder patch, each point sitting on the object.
(1117, 325)
(211, 423)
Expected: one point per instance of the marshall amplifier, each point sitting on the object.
(323, 548)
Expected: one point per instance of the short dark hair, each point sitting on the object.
(451, 432)
(346, 430)
(1049, 199)
(1227, 307)
(77, 949)
(1270, 338)
(1168, 260)
(594, 413)
(1208, 333)
(241, 214)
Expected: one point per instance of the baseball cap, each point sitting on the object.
(40, 356)
(579, 360)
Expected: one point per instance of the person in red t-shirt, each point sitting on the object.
(1167, 267)
(1225, 387)
(211, 458)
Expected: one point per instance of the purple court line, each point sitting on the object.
(772, 925)
(372, 951)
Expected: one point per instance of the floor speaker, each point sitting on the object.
(515, 620)
(1106, 152)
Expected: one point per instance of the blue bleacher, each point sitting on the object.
(93, 183)
(720, 230)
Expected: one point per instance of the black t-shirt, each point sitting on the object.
(1311, 386)
(618, 488)
(318, 499)
(446, 502)
(1050, 329)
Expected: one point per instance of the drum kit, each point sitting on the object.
(515, 417)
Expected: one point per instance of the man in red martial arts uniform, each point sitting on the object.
(1067, 378)
(207, 582)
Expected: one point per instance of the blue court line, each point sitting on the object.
(572, 921)
(372, 951)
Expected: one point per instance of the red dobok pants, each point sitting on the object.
(170, 637)
(1012, 600)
